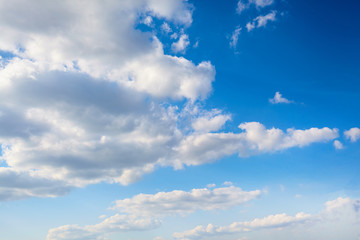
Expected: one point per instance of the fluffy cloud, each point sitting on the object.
(211, 121)
(86, 98)
(341, 211)
(140, 211)
(200, 148)
(181, 202)
(81, 99)
(181, 44)
(353, 134)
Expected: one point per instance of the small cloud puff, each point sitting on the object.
(338, 145)
(278, 98)
(352, 134)
(181, 45)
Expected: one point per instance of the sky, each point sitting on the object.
(179, 120)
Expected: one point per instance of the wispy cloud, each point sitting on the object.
(235, 37)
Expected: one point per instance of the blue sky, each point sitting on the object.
(183, 120)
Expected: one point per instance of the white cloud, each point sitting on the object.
(271, 221)
(338, 145)
(181, 202)
(278, 98)
(241, 5)
(82, 101)
(261, 21)
(250, 26)
(262, 3)
(212, 121)
(340, 218)
(116, 223)
(353, 134)
(148, 20)
(166, 28)
(235, 37)
(141, 210)
(79, 92)
(200, 148)
(181, 45)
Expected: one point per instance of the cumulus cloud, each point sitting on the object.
(84, 98)
(341, 211)
(181, 202)
(212, 121)
(142, 212)
(278, 98)
(200, 148)
(181, 45)
(235, 37)
(353, 134)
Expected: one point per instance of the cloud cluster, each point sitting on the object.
(87, 97)
(338, 211)
(142, 211)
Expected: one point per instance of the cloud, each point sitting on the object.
(148, 20)
(338, 145)
(116, 223)
(87, 97)
(141, 211)
(181, 45)
(235, 37)
(15, 185)
(166, 28)
(341, 211)
(212, 121)
(353, 134)
(271, 221)
(200, 148)
(181, 202)
(279, 99)
(241, 5)
(261, 21)
(250, 26)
